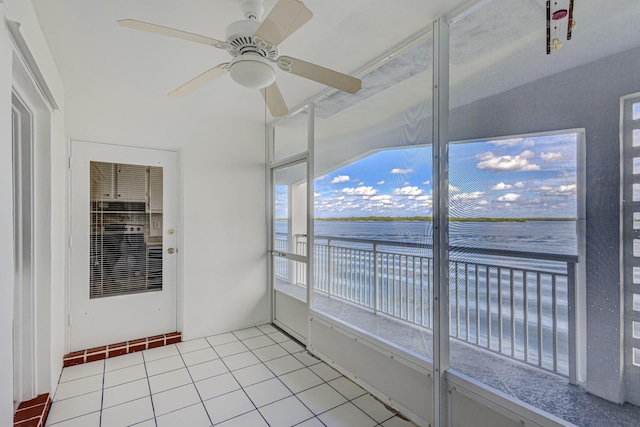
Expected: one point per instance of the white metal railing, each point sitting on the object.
(518, 304)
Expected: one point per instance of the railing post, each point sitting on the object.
(375, 278)
(329, 268)
(571, 312)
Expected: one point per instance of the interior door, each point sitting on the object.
(289, 243)
(123, 244)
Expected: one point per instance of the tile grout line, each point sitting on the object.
(153, 407)
(194, 383)
(241, 387)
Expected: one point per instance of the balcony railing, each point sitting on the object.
(518, 304)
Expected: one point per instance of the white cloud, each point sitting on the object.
(509, 197)
(316, 194)
(502, 186)
(468, 196)
(397, 171)
(380, 182)
(426, 183)
(381, 197)
(360, 184)
(519, 184)
(454, 189)
(519, 163)
(551, 157)
(340, 179)
(408, 191)
(360, 191)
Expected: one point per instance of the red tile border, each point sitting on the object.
(119, 349)
(32, 413)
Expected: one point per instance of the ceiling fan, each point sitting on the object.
(254, 48)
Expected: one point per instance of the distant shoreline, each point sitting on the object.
(429, 219)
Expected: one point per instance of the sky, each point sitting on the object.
(509, 178)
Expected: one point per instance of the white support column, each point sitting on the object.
(440, 220)
(310, 215)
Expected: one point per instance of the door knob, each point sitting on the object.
(170, 251)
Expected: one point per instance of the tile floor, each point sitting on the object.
(252, 377)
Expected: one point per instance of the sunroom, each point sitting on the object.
(458, 237)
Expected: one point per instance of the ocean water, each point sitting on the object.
(556, 237)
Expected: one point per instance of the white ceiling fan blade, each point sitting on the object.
(275, 101)
(204, 78)
(171, 32)
(283, 20)
(319, 74)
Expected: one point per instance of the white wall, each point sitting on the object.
(6, 217)
(222, 203)
(49, 205)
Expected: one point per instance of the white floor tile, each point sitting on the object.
(284, 365)
(292, 346)
(373, 408)
(148, 423)
(313, 422)
(221, 339)
(128, 413)
(124, 375)
(321, 398)
(253, 419)
(123, 361)
(216, 386)
(89, 420)
(285, 413)
(346, 415)
(252, 374)
(307, 359)
(207, 370)
(325, 371)
(300, 380)
(267, 392)
(267, 329)
(77, 387)
(397, 422)
(228, 406)
(75, 407)
(167, 364)
(257, 342)
(225, 350)
(240, 360)
(192, 345)
(243, 334)
(192, 416)
(81, 371)
(199, 356)
(270, 352)
(169, 380)
(347, 388)
(160, 353)
(279, 337)
(174, 399)
(125, 392)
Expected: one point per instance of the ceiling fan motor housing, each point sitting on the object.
(239, 35)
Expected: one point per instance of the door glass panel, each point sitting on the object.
(636, 111)
(126, 229)
(290, 229)
(636, 137)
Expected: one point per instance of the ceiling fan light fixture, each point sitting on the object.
(252, 71)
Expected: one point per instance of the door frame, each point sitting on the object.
(179, 225)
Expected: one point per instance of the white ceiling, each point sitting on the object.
(499, 46)
(90, 49)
